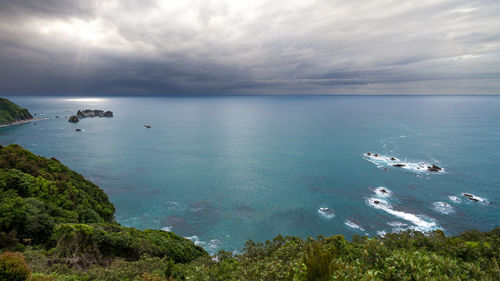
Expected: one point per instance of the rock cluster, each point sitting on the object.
(90, 113)
(433, 168)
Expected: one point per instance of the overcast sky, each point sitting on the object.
(156, 47)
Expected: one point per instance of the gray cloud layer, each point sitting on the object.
(259, 47)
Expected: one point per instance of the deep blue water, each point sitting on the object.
(228, 169)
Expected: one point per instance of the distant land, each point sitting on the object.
(11, 113)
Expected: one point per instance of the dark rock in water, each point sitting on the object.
(78, 130)
(433, 168)
(399, 165)
(107, 114)
(90, 113)
(369, 154)
(376, 155)
(383, 190)
(73, 119)
(94, 113)
(392, 158)
(376, 201)
(471, 197)
(57, 117)
(147, 126)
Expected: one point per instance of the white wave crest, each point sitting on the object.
(210, 246)
(455, 198)
(443, 207)
(398, 226)
(382, 192)
(326, 212)
(421, 223)
(166, 228)
(353, 225)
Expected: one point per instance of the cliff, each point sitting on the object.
(45, 204)
(11, 112)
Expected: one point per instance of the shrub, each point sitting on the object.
(318, 262)
(13, 267)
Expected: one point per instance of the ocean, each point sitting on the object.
(222, 170)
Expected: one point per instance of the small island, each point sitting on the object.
(89, 113)
(12, 114)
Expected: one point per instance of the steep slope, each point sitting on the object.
(43, 202)
(11, 112)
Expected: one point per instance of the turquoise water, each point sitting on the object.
(222, 170)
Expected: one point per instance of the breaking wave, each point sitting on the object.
(353, 225)
(420, 223)
(326, 212)
(443, 207)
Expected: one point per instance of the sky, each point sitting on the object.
(154, 47)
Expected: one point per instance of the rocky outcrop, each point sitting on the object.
(399, 165)
(73, 119)
(433, 168)
(90, 113)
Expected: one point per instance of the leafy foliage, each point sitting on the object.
(45, 205)
(93, 243)
(10, 112)
(13, 267)
(37, 193)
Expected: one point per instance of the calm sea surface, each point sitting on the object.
(222, 170)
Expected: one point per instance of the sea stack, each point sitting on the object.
(73, 119)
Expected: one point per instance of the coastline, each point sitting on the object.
(20, 122)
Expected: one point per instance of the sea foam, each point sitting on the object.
(351, 224)
(421, 223)
(475, 198)
(326, 212)
(210, 246)
(443, 207)
(382, 192)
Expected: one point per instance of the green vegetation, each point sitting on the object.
(48, 209)
(63, 226)
(13, 267)
(37, 193)
(11, 112)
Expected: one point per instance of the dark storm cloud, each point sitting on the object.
(261, 47)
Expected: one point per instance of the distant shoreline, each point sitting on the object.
(19, 122)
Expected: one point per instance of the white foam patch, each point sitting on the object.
(421, 223)
(326, 212)
(353, 225)
(210, 246)
(455, 199)
(381, 233)
(382, 192)
(382, 161)
(398, 226)
(475, 198)
(166, 228)
(443, 207)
